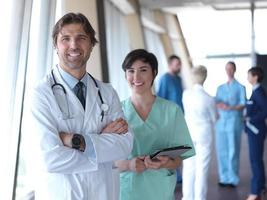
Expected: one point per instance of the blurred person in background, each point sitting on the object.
(170, 88)
(170, 84)
(200, 115)
(230, 100)
(256, 114)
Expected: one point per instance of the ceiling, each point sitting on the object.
(216, 4)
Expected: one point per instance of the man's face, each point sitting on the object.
(230, 70)
(73, 47)
(175, 66)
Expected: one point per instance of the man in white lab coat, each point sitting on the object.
(200, 115)
(78, 129)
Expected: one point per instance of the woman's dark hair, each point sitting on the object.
(143, 55)
(257, 71)
(74, 18)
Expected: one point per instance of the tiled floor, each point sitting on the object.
(239, 193)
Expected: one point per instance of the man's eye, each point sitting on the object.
(82, 38)
(65, 39)
(143, 70)
(130, 71)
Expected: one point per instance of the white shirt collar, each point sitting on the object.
(198, 86)
(69, 79)
(255, 86)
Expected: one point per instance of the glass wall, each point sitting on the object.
(154, 44)
(13, 50)
(216, 37)
(39, 56)
(260, 31)
(117, 48)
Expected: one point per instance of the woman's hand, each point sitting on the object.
(137, 164)
(118, 126)
(162, 162)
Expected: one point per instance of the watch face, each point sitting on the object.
(76, 141)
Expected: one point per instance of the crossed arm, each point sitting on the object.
(118, 126)
(137, 164)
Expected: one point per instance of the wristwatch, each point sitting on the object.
(78, 142)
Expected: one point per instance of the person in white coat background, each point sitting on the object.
(78, 127)
(200, 115)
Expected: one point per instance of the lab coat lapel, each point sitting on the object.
(70, 95)
(91, 99)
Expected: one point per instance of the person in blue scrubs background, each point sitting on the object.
(230, 101)
(256, 114)
(170, 85)
(170, 88)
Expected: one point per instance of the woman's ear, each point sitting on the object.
(155, 72)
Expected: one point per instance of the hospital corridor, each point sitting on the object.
(215, 192)
(133, 100)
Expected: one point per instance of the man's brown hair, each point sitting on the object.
(74, 18)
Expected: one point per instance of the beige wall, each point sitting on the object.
(136, 35)
(164, 37)
(89, 9)
(133, 21)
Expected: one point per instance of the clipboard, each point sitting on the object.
(172, 152)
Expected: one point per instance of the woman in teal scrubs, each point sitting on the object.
(156, 124)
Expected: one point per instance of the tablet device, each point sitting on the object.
(172, 152)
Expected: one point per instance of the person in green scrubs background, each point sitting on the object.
(156, 124)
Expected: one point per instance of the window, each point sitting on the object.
(260, 31)
(25, 56)
(40, 61)
(118, 46)
(13, 37)
(222, 35)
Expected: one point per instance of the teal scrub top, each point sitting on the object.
(164, 127)
(232, 94)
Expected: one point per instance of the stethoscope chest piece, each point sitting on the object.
(104, 107)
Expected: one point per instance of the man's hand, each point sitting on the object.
(118, 126)
(66, 138)
(222, 106)
(137, 164)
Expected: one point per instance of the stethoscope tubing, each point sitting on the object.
(65, 92)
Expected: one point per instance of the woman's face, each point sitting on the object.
(252, 79)
(139, 77)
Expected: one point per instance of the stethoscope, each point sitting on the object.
(104, 107)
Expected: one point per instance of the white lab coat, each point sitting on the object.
(65, 173)
(200, 115)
